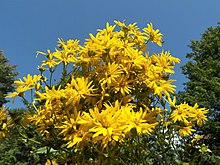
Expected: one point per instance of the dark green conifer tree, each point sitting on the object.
(7, 76)
(203, 86)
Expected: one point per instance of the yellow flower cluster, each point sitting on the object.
(186, 117)
(110, 125)
(66, 55)
(28, 83)
(112, 90)
(5, 122)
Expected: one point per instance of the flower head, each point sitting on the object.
(153, 35)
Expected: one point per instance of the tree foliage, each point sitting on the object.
(16, 148)
(7, 76)
(203, 86)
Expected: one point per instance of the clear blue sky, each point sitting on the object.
(28, 26)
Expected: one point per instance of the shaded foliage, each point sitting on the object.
(16, 148)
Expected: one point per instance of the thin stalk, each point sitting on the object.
(25, 137)
(51, 76)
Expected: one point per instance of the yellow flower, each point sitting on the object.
(153, 35)
(165, 61)
(163, 86)
(171, 59)
(64, 56)
(180, 114)
(29, 81)
(119, 23)
(78, 88)
(136, 120)
(123, 84)
(171, 102)
(72, 45)
(44, 121)
(51, 162)
(153, 114)
(19, 91)
(78, 137)
(199, 114)
(68, 52)
(71, 124)
(51, 94)
(3, 114)
(184, 131)
(108, 74)
(108, 30)
(51, 60)
(5, 122)
(105, 125)
(196, 138)
(203, 149)
(82, 86)
(133, 58)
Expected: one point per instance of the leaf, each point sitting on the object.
(42, 150)
(181, 162)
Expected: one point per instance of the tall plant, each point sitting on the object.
(113, 102)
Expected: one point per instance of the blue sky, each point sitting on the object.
(29, 26)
